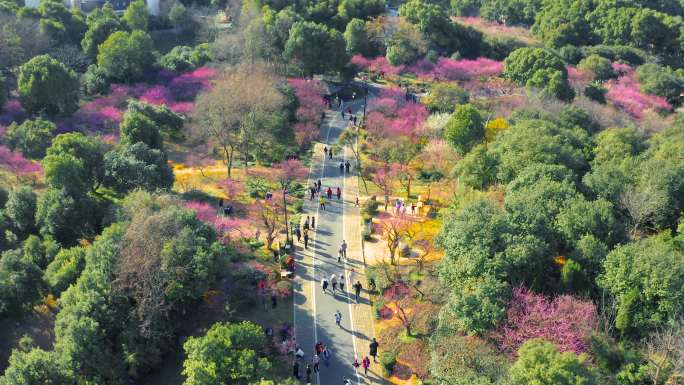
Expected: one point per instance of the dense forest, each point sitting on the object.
(544, 138)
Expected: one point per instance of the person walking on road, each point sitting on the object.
(318, 186)
(298, 233)
(357, 290)
(342, 283)
(306, 223)
(366, 364)
(339, 193)
(295, 370)
(373, 349)
(313, 222)
(321, 203)
(341, 168)
(306, 238)
(312, 192)
(308, 373)
(326, 356)
(329, 193)
(316, 361)
(324, 284)
(347, 166)
(325, 150)
(343, 247)
(356, 364)
(333, 281)
(330, 154)
(339, 255)
(338, 318)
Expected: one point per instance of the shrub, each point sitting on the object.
(444, 97)
(523, 63)
(387, 361)
(183, 58)
(600, 66)
(369, 208)
(595, 92)
(32, 137)
(95, 82)
(46, 85)
(298, 206)
(661, 81)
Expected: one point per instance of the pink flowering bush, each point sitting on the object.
(625, 95)
(157, 95)
(577, 76)
(391, 115)
(311, 107)
(565, 320)
(12, 112)
(185, 87)
(378, 65)
(450, 69)
(16, 163)
(223, 225)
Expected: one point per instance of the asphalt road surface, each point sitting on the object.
(315, 310)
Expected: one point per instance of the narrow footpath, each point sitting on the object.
(314, 311)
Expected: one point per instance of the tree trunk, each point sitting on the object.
(287, 227)
(228, 155)
(408, 188)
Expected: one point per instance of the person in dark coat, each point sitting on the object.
(295, 370)
(373, 347)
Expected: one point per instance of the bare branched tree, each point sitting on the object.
(231, 115)
(665, 349)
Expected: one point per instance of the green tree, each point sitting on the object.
(136, 15)
(475, 305)
(515, 12)
(59, 23)
(356, 37)
(66, 218)
(138, 127)
(315, 47)
(36, 366)
(46, 85)
(102, 22)
(600, 66)
(552, 83)
(539, 141)
(32, 137)
(662, 81)
(580, 217)
(433, 21)
(65, 269)
(360, 9)
(227, 353)
(466, 7)
(522, 63)
(126, 56)
(3, 92)
(38, 251)
(444, 97)
(21, 283)
(21, 209)
(465, 360)
(167, 123)
(646, 277)
(137, 165)
(94, 81)
(478, 169)
(540, 363)
(75, 162)
(464, 129)
(564, 22)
